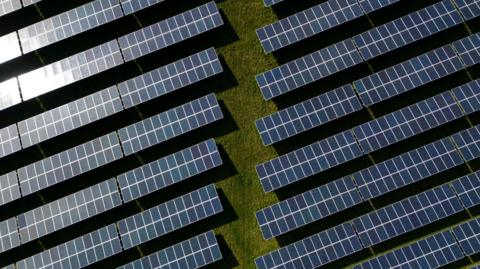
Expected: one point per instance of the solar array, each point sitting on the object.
(9, 141)
(468, 95)
(8, 6)
(29, 2)
(468, 143)
(8, 234)
(469, 9)
(9, 46)
(9, 93)
(131, 6)
(373, 5)
(9, 189)
(468, 49)
(268, 3)
(468, 189)
(468, 236)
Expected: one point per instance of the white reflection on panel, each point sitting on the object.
(9, 47)
(9, 93)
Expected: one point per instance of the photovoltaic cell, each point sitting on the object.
(8, 6)
(468, 189)
(70, 70)
(8, 235)
(170, 31)
(193, 253)
(130, 6)
(407, 29)
(9, 140)
(307, 23)
(9, 93)
(77, 253)
(407, 122)
(169, 216)
(468, 236)
(170, 123)
(169, 170)
(468, 95)
(69, 163)
(468, 8)
(268, 3)
(9, 188)
(308, 69)
(68, 210)
(70, 116)
(469, 49)
(9, 47)
(432, 252)
(372, 5)
(308, 114)
(407, 215)
(169, 78)
(407, 168)
(307, 161)
(314, 251)
(468, 143)
(408, 75)
(308, 207)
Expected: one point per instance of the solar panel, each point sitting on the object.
(169, 124)
(68, 210)
(169, 170)
(408, 75)
(9, 47)
(9, 93)
(193, 253)
(407, 29)
(307, 23)
(308, 69)
(169, 216)
(77, 253)
(170, 77)
(70, 70)
(29, 2)
(308, 207)
(468, 95)
(9, 189)
(8, 235)
(468, 236)
(372, 5)
(70, 116)
(9, 140)
(170, 31)
(308, 114)
(69, 163)
(468, 8)
(130, 6)
(313, 251)
(432, 252)
(307, 161)
(468, 49)
(407, 122)
(9, 6)
(468, 143)
(407, 215)
(468, 189)
(11, 266)
(268, 3)
(407, 168)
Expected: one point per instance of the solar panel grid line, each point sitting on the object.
(468, 96)
(171, 77)
(192, 253)
(9, 140)
(313, 251)
(468, 236)
(407, 215)
(468, 49)
(9, 237)
(369, 6)
(407, 29)
(307, 23)
(169, 124)
(131, 6)
(307, 161)
(169, 170)
(269, 3)
(468, 189)
(10, 47)
(407, 122)
(9, 93)
(169, 216)
(468, 143)
(9, 6)
(69, 116)
(308, 114)
(170, 31)
(468, 8)
(309, 68)
(9, 188)
(68, 210)
(308, 207)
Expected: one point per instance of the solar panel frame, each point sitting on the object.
(9, 140)
(307, 161)
(308, 114)
(469, 9)
(468, 143)
(9, 235)
(169, 170)
(468, 236)
(9, 93)
(468, 96)
(468, 189)
(9, 47)
(9, 188)
(369, 6)
(167, 217)
(468, 49)
(131, 6)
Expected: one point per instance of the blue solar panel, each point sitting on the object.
(407, 29)
(307, 161)
(468, 8)
(169, 170)
(308, 114)
(432, 252)
(308, 207)
(130, 6)
(407, 122)
(307, 23)
(468, 189)
(407, 215)
(9, 140)
(408, 75)
(407, 168)
(308, 69)
(468, 95)
(314, 251)
(468, 49)
(372, 5)
(9, 237)
(468, 236)
(468, 143)
(268, 3)
(169, 216)
(9, 188)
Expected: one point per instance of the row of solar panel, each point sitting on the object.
(380, 40)
(135, 230)
(434, 251)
